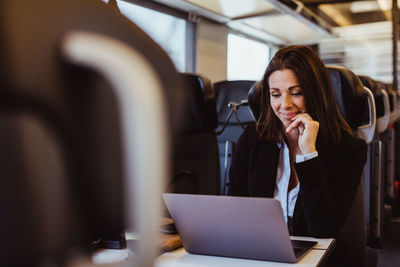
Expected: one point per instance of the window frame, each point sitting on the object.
(190, 31)
(271, 47)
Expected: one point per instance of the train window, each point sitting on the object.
(168, 31)
(247, 59)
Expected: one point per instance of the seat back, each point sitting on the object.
(392, 101)
(391, 149)
(226, 93)
(69, 129)
(233, 116)
(388, 140)
(356, 105)
(381, 102)
(378, 168)
(196, 165)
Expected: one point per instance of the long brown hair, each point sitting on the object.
(314, 80)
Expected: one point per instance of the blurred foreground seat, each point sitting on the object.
(85, 104)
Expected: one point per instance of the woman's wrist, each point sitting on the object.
(307, 150)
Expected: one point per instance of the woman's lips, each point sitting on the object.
(288, 116)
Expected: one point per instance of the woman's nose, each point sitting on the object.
(286, 101)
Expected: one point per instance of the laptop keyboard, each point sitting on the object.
(300, 247)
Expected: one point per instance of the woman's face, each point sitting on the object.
(286, 95)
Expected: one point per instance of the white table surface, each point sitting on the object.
(180, 257)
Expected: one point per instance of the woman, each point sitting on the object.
(301, 151)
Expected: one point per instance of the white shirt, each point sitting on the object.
(288, 199)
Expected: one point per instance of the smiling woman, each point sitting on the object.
(301, 151)
(288, 104)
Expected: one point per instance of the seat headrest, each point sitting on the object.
(378, 95)
(236, 91)
(200, 113)
(389, 88)
(371, 84)
(349, 95)
(391, 94)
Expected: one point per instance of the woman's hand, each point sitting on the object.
(308, 131)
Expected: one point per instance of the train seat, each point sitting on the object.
(390, 151)
(378, 160)
(233, 116)
(196, 164)
(357, 106)
(79, 159)
(381, 102)
(392, 101)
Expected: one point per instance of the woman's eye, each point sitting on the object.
(297, 93)
(275, 95)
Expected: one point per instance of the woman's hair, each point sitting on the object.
(316, 86)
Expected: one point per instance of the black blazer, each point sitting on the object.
(328, 183)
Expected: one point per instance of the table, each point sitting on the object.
(180, 258)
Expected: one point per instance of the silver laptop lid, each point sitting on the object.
(240, 227)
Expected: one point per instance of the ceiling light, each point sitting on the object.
(364, 6)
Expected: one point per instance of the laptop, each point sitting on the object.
(238, 227)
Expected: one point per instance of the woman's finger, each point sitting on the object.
(294, 124)
(301, 129)
(305, 116)
(303, 119)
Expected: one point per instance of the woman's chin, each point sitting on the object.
(286, 123)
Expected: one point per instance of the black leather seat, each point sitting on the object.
(196, 165)
(356, 105)
(392, 152)
(378, 159)
(389, 178)
(350, 96)
(392, 100)
(64, 152)
(233, 116)
(381, 102)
